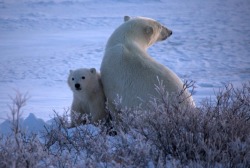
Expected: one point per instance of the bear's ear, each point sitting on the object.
(70, 71)
(126, 18)
(93, 70)
(149, 30)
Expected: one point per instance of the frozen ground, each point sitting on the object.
(40, 41)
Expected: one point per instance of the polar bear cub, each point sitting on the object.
(88, 95)
(129, 71)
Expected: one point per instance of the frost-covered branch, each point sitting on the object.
(215, 134)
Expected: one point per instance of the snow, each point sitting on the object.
(31, 124)
(40, 41)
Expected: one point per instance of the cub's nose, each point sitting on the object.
(170, 32)
(77, 85)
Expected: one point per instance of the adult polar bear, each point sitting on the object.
(127, 70)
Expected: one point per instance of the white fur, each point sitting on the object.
(128, 70)
(88, 97)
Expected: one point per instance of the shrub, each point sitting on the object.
(215, 134)
(19, 149)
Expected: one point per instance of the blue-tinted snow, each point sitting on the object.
(40, 41)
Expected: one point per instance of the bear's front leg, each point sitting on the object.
(77, 114)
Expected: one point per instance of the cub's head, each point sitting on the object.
(82, 80)
(149, 29)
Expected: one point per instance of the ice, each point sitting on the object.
(31, 124)
(40, 41)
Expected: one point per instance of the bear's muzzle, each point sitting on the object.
(77, 86)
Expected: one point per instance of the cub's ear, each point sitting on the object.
(149, 30)
(70, 71)
(93, 70)
(126, 18)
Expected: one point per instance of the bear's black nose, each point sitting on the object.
(77, 85)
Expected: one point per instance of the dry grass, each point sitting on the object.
(215, 134)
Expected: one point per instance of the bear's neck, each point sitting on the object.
(87, 97)
(122, 36)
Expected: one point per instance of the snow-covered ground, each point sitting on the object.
(40, 41)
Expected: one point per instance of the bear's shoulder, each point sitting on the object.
(118, 50)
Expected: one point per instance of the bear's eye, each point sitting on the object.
(83, 77)
(73, 79)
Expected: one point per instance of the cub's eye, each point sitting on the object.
(73, 79)
(83, 77)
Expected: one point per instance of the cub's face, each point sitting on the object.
(81, 79)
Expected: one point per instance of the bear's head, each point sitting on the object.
(82, 80)
(147, 30)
